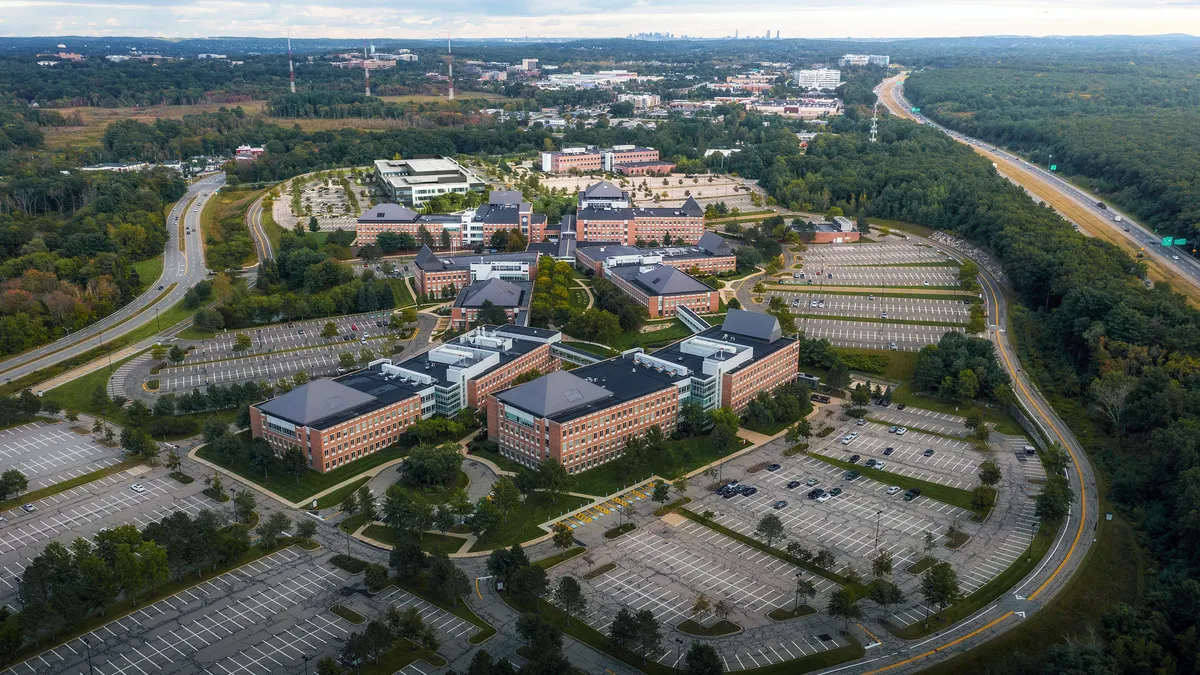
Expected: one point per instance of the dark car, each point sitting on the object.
(773, 467)
(835, 492)
(160, 288)
(815, 492)
(729, 494)
(854, 459)
(912, 494)
(779, 504)
(928, 452)
(750, 491)
(888, 451)
(869, 463)
(851, 475)
(793, 485)
(901, 406)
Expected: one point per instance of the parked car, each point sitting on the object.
(902, 406)
(888, 451)
(869, 463)
(928, 452)
(749, 491)
(912, 494)
(835, 492)
(892, 490)
(854, 459)
(851, 475)
(900, 431)
(28, 508)
(879, 465)
(824, 498)
(892, 429)
(137, 487)
(792, 485)
(861, 422)
(815, 492)
(773, 467)
(811, 482)
(779, 504)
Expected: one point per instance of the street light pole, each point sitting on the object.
(678, 653)
(88, 644)
(878, 516)
(306, 657)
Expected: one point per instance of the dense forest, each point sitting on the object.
(1128, 129)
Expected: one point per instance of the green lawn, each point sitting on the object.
(400, 655)
(419, 588)
(271, 228)
(307, 485)
(941, 493)
(193, 333)
(547, 563)
(435, 495)
(522, 524)
(579, 299)
(334, 498)
(659, 338)
(149, 270)
(594, 349)
(428, 541)
(779, 425)
(486, 450)
(681, 457)
(400, 292)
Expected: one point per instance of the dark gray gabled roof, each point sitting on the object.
(714, 244)
(554, 393)
(388, 213)
(426, 258)
(752, 324)
(310, 403)
(596, 213)
(502, 294)
(506, 197)
(667, 280)
(603, 190)
(692, 208)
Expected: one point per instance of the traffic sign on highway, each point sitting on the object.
(1180, 242)
(1167, 241)
(916, 110)
(1054, 167)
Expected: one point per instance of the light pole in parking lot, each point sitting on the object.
(878, 516)
(306, 657)
(88, 644)
(678, 653)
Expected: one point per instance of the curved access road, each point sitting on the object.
(1070, 545)
(1079, 207)
(181, 270)
(262, 244)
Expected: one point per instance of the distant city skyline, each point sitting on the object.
(596, 18)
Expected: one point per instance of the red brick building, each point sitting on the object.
(605, 214)
(712, 255)
(589, 159)
(435, 273)
(337, 421)
(662, 289)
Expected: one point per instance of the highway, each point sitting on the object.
(182, 268)
(1072, 203)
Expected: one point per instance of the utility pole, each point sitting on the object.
(878, 515)
(88, 644)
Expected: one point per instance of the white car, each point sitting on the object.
(925, 282)
(893, 490)
(852, 435)
(900, 431)
(824, 497)
(137, 487)
(879, 465)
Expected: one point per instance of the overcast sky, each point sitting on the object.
(597, 18)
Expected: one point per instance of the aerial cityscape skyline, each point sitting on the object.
(706, 19)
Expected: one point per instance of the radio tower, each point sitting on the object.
(875, 123)
(450, 61)
(366, 70)
(291, 68)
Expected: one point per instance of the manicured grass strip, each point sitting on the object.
(400, 293)
(403, 653)
(307, 484)
(522, 524)
(459, 609)
(664, 510)
(722, 627)
(193, 333)
(754, 543)
(921, 565)
(334, 498)
(779, 425)
(119, 610)
(547, 563)
(619, 530)
(989, 592)
(149, 270)
(348, 614)
(350, 524)
(872, 319)
(678, 458)
(664, 336)
(600, 571)
(941, 493)
(781, 614)
(348, 563)
(65, 485)
(428, 541)
(182, 478)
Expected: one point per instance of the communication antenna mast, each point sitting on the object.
(366, 70)
(875, 123)
(291, 67)
(450, 62)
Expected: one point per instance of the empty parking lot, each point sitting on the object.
(51, 453)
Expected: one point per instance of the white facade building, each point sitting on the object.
(824, 78)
